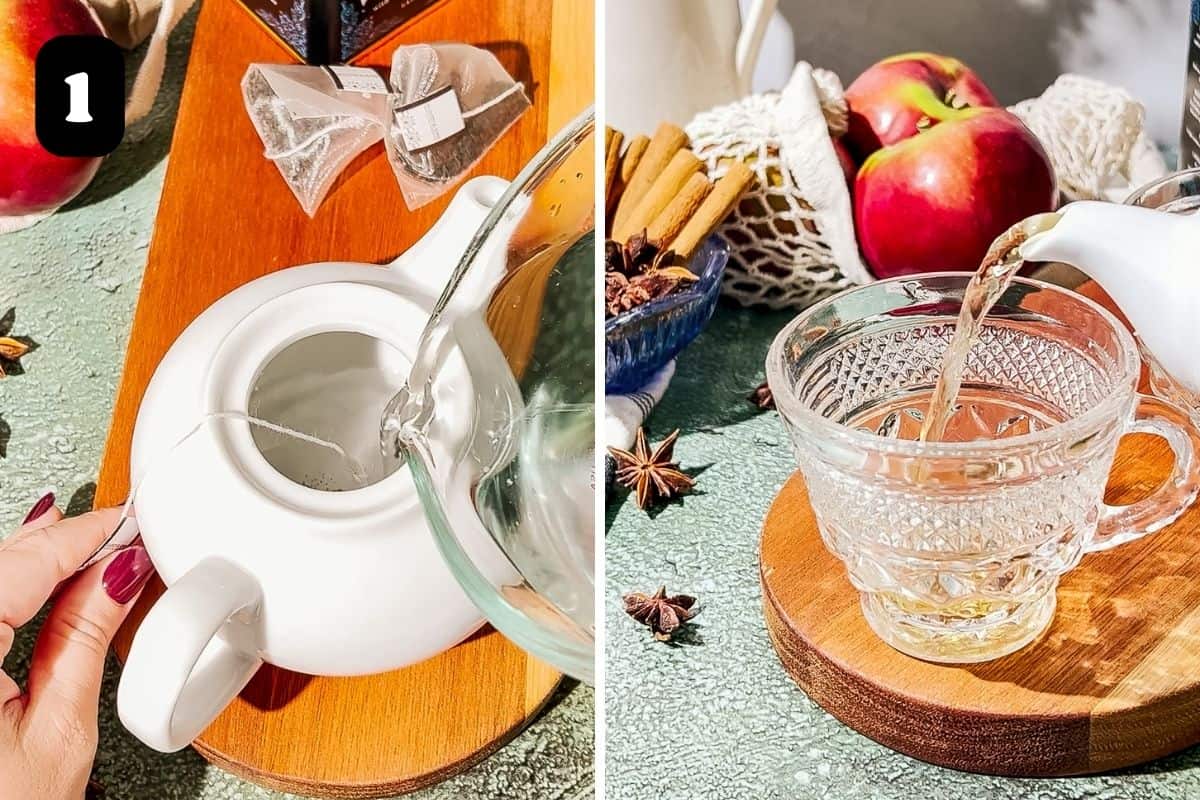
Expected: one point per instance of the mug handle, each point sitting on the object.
(1121, 524)
(191, 655)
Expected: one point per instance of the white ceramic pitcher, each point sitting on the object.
(670, 59)
(1146, 260)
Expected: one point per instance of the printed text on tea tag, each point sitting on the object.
(430, 120)
(357, 79)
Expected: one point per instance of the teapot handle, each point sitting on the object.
(168, 693)
(749, 43)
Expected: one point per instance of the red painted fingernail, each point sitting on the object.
(39, 508)
(125, 576)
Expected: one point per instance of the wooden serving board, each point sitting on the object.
(226, 217)
(1113, 682)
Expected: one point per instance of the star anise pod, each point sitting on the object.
(614, 257)
(11, 350)
(615, 284)
(647, 270)
(762, 397)
(651, 474)
(622, 294)
(662, 614)
(638, 255)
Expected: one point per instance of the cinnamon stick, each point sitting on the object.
(612, 157)
(665, 143)
(633, 156)
(683, 165)
(629, 162)
(712, 212)
(671, 220)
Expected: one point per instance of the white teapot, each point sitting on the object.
(343, 560)
(268, 550)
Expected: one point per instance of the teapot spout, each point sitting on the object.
(428, 265)
(1145, 260)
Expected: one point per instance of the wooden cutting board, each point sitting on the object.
(226, 217)
(1113, 682)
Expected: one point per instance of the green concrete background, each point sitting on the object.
(71, 283)
(715, 716)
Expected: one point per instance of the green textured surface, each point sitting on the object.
(716, 716)
(72, 281)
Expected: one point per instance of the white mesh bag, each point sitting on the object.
(791, 236)
(1093, 135)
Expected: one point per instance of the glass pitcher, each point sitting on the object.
(512, 508)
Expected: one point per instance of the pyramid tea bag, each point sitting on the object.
(450, 104)
(313, 121)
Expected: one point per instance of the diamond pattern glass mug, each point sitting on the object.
(956, 547)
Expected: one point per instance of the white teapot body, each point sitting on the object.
(258, 565)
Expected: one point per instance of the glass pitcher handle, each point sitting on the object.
(1121, 524)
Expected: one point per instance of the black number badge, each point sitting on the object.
(79, 102)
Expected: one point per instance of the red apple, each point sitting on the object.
(889, 100)
(846, 162)
(32, 181)
(937, 200)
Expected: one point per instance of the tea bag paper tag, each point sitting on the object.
(430, 120)
(357, 79)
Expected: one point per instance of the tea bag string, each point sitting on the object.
(126, 529)
(316, 136)
(306, 142)
(517, 86)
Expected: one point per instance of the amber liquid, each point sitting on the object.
(978, 414)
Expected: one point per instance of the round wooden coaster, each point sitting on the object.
(1113, 682)
(374, 736)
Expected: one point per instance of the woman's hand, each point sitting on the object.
(48, 733)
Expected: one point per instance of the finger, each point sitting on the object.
(43, 513)
(40, 515)
(68, 657)
(32, 565)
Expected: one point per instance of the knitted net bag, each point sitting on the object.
(1093, 134)
(791, 236)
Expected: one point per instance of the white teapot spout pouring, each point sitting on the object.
(1149, 263)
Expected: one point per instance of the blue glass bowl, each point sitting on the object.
(643, 339)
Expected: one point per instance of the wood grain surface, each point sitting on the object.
(1113, 682)
(225, 218)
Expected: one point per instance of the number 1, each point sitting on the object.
(79, 97)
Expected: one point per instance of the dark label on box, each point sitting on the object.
(334, 31)
(1189, 142)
